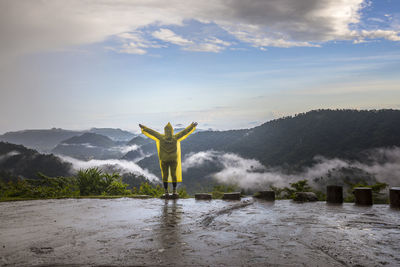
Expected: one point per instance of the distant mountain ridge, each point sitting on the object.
(89, 146)
(114, 134)
(47, 139)
(43, 140)
(91, 139)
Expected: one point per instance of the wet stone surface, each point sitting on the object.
(186, 232)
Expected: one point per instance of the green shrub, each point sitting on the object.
(20, 188)
(117, 187)
(299, 186)
(150, 190)
(182, 192)
(219, 190)
(93, 181)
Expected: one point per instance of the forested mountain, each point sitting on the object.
(330, 133)
(296, 140)
(17, 161)
(293, 142)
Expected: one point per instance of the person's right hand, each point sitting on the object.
(194, 124)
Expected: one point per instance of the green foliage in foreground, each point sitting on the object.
(219, 190)
(45, 187)
(150, 190)
(157, 190)
(95, 182)
(300, 186)
(88, 183)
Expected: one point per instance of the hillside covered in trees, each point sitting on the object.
(297, 140)
(329, 133)
(19, 161)
(293, 142)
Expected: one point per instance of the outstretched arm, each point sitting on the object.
(150, 133)
(185, 133)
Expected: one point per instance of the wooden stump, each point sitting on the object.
(265, 195)
(334, 194)
(363, 195)
(202, 196)
(231, 196)
(395, 197)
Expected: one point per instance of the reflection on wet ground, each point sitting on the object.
(186, 232)
(168, 231)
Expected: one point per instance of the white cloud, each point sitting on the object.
(209, 45)
(119, 165)
(169, 36)
(213, 44)
(218, 41)
(376, 20)
(131, 48)
(28, 26)
(205, 47)
(126, 149)
(384, 34)
(9, 155)
(384, 164)
(134, 43)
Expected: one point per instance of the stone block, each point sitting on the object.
(334, 194)
(265, 195)
(394, 195)
(231, 196)
(363, 195)
(202, 196)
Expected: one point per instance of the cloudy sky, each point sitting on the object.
(224, 63)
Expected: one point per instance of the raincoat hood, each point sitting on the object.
(168, 130)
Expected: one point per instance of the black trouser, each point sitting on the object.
(165, 167)
(166, 185)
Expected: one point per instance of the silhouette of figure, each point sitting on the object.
(169, 152)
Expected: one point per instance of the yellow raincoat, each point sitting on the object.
(169, 147)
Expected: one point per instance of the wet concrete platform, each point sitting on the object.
(186, 232)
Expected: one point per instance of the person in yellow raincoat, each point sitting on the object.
(169, 152)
